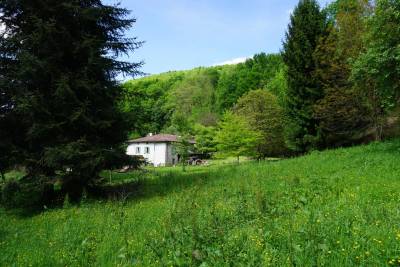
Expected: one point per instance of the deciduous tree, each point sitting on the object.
(261, 109)
(236, 137)
(376, 72)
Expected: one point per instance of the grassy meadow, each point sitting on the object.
(333, 208)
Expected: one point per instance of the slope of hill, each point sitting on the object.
(333, 208)
(201, 95)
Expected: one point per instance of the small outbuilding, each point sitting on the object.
(156, 149)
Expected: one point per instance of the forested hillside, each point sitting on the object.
(334, 84)
(200, 96)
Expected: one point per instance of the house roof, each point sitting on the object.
(158, 138)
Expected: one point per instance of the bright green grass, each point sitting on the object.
(334, 208)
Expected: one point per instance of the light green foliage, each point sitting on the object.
(262, 111)
(180, 123)
(278, 86)
(328, 208)
(205, 142)
(236, 137)
(144, 102)
(195, 96)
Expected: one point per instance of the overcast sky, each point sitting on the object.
(183, 34)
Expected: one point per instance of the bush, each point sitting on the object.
(27, 194)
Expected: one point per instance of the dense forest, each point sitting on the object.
(199, 96)
(334, 84)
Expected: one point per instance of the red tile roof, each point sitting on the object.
(158, 138)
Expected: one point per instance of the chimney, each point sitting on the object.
(150, 134)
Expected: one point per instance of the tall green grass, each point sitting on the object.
(333, 208)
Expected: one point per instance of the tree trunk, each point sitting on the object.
(238, 159)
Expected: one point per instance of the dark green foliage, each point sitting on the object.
(29, 193)
(342, 115)
(307, 24)
(61, 65)
(343, 118)
(261, 109)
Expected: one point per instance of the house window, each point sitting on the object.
(138, 150)
(147, 150)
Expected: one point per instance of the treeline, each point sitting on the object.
(341, 88)
(336, 83)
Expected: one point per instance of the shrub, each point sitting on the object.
(27, 193)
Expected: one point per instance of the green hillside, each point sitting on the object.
(201, 95)
(333, 208)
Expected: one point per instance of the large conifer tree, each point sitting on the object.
(307, 24)
(59, 71)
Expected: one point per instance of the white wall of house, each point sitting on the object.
(158, 154)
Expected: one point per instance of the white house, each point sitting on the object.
(157, 149)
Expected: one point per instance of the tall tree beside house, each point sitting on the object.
(236, 138)
(61, 76)
(307, 25)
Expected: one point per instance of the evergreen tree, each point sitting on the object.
(61, 74)
(307, 25)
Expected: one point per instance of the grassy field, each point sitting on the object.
(333, 208)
